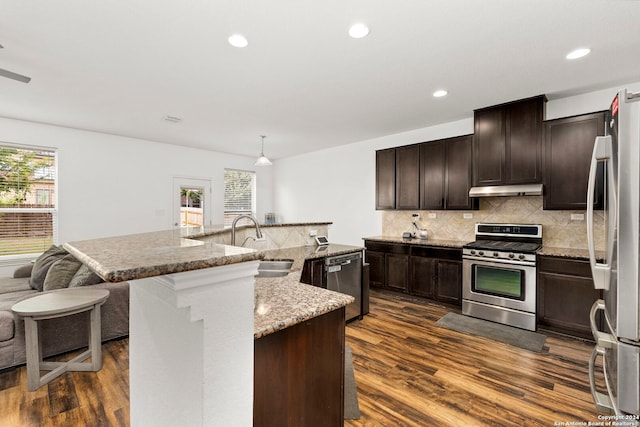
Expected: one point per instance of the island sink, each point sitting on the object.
(279, 268)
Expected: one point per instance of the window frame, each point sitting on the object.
(233, 212)
(11, 259)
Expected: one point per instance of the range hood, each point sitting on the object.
(506, 190)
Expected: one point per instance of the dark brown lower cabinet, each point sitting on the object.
(436, 273)
(376, 268)
(426, 271)
(388, 265)
(423, 276)
(313, 272)
(397, 271)
(449, 288)
(565, 296)
(299, 374)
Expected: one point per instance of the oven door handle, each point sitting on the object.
(602, 151)
(501, 263)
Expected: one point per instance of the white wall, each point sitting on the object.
(111, 185)
(338, 184)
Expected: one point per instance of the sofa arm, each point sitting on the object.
(23, 271)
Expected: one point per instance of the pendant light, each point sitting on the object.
(262, 160)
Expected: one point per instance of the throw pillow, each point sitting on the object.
(23, 271)
(42, 264)
(84, 277)
(60, 273)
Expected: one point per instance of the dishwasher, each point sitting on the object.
(344, 275)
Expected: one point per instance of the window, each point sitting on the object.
(239, 194)
(191, 212)
(191, 202)
(27, 200)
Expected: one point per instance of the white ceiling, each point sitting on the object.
(120, 66)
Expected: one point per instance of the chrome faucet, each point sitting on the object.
(233, 228)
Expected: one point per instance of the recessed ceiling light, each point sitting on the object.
(358, 31)
(578, 53)
(440, 93)
(238, 40)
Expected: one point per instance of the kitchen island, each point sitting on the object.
(192, 324)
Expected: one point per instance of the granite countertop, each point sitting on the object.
(285, 301)
(301, 253)
(137, 256)
(458, 244)
(280, 302)
(581, 254)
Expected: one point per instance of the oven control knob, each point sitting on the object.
(511, 255)
(481, 253)
(520, 256)
(496, 254)
(473, 251)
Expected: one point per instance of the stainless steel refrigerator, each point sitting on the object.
(616, 271)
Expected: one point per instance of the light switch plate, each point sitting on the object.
(313, 233)
(467, 215)
(577, 217)
(432, 215)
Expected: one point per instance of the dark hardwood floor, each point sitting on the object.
(75, 398)
(409, 372)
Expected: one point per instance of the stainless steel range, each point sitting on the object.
(499, 274)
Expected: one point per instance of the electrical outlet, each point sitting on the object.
(432, 215)
(577, 217)
(467, 215)
(313, 233)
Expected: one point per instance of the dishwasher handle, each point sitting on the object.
(342, 259)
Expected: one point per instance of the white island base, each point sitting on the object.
(191, 347)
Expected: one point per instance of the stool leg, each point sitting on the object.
(32, 343)
(95, 338)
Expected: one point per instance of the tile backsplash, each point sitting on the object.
(275, 237)
(558, 227)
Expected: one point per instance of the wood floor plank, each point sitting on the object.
(62, 396)
(408, 370)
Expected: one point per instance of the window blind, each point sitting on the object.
(239, 194)
(28, 215)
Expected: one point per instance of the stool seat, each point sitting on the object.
(59, 303)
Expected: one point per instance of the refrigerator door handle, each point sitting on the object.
(603, 339)
(603, 402)
(602, 151)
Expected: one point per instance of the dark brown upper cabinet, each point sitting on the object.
(408, 177)
(386, 179)
(507, 146)
(446, 167)
(432, 160)
(398, 178)
(568, 148)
